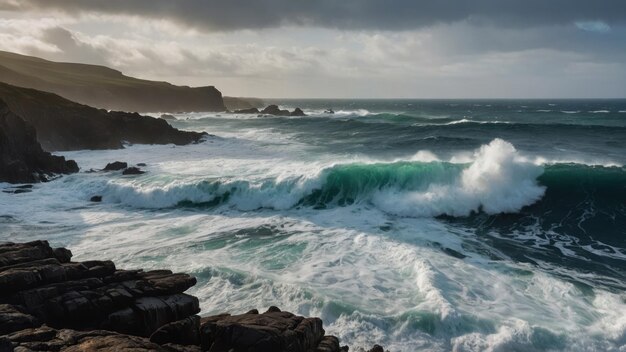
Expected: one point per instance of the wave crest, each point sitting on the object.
(497, 180)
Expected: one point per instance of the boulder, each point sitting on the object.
(298, 112)
(181, 332)
(22, 160)
(67, 340)
(274, 110)
(96, 199)
(270, 331)
(133, 171)
(115, 166)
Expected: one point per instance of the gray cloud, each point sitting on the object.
(343, 14)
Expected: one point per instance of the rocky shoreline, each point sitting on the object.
(50, 303)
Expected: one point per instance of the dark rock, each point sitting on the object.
(115, 166)
(64, 125)
(96, 199)
(14, 319)
(141, 164)
(67, 340)
(133, 171)
(21, 157)
(40, 285)
(247, 111)
(377, 348)
(168, 117)
(270, 331)
(274, 110)
(298, 112)
(328, 344)
(181, 332)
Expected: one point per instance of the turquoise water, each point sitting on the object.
(421, 225)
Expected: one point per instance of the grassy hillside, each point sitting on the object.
(106, 88)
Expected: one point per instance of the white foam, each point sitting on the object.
(497, 181)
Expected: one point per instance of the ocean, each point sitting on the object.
(420, 225)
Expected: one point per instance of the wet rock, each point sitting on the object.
(22, 158)
(14, 319)
(181, 332)
(67, 340)
(115, 166)
(298, 112)
(377, 348)
(270, 331)
(141, 164)
(274, 110)
(133, 171)
(96, 199)
(48, 303)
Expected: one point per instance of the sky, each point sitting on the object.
(339, 48)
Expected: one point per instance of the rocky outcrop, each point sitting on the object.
(49, 303)
(22, 160)
(64, 125)
(297, 112)
(272, 110)
(275, 110)
(105, 88)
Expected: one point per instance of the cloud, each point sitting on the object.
(345, 14)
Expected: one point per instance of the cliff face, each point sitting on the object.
(21, 158)
(64, 125)
(105, 88)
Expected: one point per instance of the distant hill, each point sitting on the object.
(106, 88)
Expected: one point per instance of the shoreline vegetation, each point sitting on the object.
(50, 303)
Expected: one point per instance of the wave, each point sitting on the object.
(600, 111)
(496, 180)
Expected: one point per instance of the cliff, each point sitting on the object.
(105, 88)
(64, 125)
(50, 303)
(21, 158)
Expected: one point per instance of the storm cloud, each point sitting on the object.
(219, 15)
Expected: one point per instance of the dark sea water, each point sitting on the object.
(430, 225)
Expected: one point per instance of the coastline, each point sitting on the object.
(49, 302)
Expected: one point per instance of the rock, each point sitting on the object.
(61, 124)
(270, 331)
(298, 112)
(141, 164)
(96, 199)
(377, 348)
(133, 171)
(21, 157)
(168, 117)
(48, 303)
(68, 340)
(328, 344)
(41, 282)
(247, 111)
(274, 110)
(181, 332)
(115, 166)
(14, 319)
